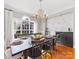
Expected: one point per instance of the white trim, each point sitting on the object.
(62, 12)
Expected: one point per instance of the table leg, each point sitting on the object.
(54, 44)
(25, 54)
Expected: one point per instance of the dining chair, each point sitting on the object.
(34, 53)
(47, 49)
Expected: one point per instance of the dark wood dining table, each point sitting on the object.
(34, 44)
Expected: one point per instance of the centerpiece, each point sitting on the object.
(38, 37)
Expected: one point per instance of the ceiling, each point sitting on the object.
(31, 6)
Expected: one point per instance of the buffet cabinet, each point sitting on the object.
(66, 38)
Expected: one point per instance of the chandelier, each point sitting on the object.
(40, 14)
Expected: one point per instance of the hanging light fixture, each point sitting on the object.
(40, 15)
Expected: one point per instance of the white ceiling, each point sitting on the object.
(31, 6)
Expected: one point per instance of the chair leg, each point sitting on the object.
(45, 55)
(51, 55)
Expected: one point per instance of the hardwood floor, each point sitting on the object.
(61, 52)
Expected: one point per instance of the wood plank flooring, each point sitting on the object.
(61, 52)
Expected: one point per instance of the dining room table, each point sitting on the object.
(30, 43)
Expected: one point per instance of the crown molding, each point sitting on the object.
(17, 13)
(20, 13)
(62, 12)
